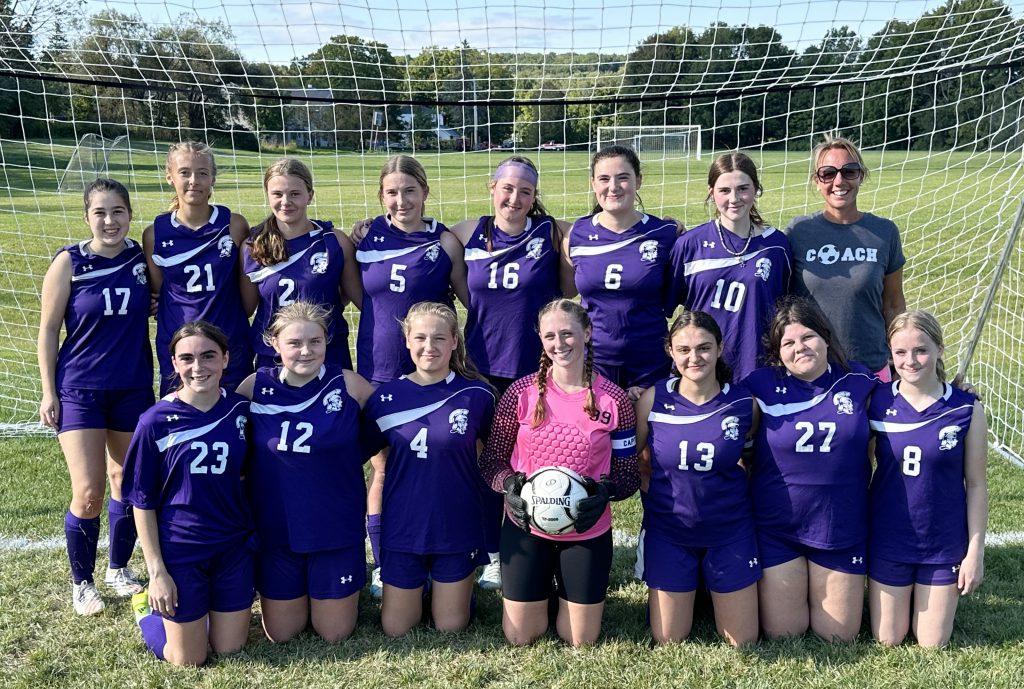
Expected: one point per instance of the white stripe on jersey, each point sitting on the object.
(211, 221)
(388, 254)
(481, 254)
(893, 427)
(181, 258)
(401, 417)
(257, 408)
(796, 407)
(608, 248)
(262, 274)
(674, 420)
(183, 436)
(704, 264)
(102, 272)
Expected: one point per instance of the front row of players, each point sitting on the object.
(792, 555)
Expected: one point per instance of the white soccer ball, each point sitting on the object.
(551, 495)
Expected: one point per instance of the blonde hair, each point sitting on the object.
(927, 324)
(833, 142)
(579, 314)
(460, 362)
(405, 165)
(195, 148)
(297, 312)
(267, 245)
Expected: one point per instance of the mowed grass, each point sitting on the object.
(43, 644)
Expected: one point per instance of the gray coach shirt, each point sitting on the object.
(842, 268)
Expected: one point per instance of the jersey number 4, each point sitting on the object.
(419, 443)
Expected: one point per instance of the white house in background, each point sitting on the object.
(427, 122)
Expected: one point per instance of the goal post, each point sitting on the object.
(664, 142)
(92, 157)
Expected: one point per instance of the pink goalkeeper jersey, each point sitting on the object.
(568, 437)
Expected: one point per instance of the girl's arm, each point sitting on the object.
(458, 279)
(464, 231)
(55, 294)
(245, 387)
(156, 273)
(566, 270)
(495, 460)
(893, 301)
(972, 569)
(163, 593)
(249, 291)
(351, 280)
(643, 409)
(358, 388)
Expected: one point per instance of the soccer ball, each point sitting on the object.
(551, 494)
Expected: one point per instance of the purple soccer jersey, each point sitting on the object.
(432, 495)
(311, 272)
(623, 280)
(398, 269)
(738, 291)
(918, 499)
(306, 475)
(106, 346)
(809, 479)
(186, 464)
(507, 288)
(200, 281)
(698, 492)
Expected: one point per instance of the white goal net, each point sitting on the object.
(933, 91)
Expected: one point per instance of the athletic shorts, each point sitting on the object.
(282, 574)
(112, 410)
(893, 573)
(500, 384)
(220, 583)
(777, 550)
(580, 569)
(411, 570)
(642, 375)
(668, 566)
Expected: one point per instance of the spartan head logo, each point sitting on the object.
(432, 252)
(459, 419)
(731, 428)
(649, 251)
(139, 271)
(333, 401)
(318, 262)
(844, 405)
(534, 247)
(764, 269)
(224, 245)
(240, 425)
(947, 437)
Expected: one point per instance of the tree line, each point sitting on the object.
(953, 77)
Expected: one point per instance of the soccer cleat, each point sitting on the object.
(86, 598)
(123, 581)
(376, 587)
(490, 577)
(140, 605)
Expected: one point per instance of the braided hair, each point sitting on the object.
(579, 314)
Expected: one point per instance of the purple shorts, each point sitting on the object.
(112, 410)
(284, 575)
(893, 573)
(668, 566)
(410, 570)
(776, 550)
(220, 583)
(641, 374)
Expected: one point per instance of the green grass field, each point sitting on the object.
(954, 210)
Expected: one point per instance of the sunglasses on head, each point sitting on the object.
(827, 173)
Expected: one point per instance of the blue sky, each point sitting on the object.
(278, 30)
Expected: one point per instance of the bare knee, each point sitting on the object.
(184, 658)
(282, 631)
(452, 622)
(87, 503)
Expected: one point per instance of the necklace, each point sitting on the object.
(725, 245)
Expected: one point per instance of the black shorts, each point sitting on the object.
(529, 563)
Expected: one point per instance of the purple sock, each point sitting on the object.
(82, 536)
(122, 533)
(373, 531)
(153, 634)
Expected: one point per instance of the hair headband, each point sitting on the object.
(514, 168)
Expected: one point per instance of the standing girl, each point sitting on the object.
(697, 515)
(734, 267)
(98, 382)
(809, 478)
(305, 481)
(193, 257)
(183, 475)
(290, 257)
(929, 499)
(404, 258)
(563, 415)
(433, 423)
(622, 271)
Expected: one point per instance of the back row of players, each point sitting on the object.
(629, 267)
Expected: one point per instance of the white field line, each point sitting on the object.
(622, 539)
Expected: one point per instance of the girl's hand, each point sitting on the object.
(49, 411)
(972, 572)
(359, 230)
(163, 594)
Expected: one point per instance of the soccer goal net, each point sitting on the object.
(932, 91)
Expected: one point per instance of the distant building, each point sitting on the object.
(310, 124)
